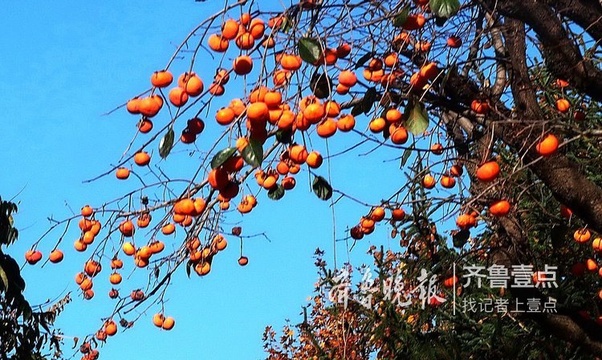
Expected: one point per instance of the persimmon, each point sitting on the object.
(88, 237)
(398, 214)
(128, 248)
(202, 268)
(243, 260)
(346, 123)
(258, 111)
(314, 113)
(414, 22)
(115, 278)
(187, 136)
(133, 106)
(127, 228)
(417, 81)
(343, 50)
(232, 165)
(347, 78)
(158, 319)
(56, 256)
(92, 268)
(137, 295)
(342, 89)
(156, 246)
(447, 181)
(465, 221)
(86, 283)
(245, 41)
(450, 281)
(257, 28)
(454, 41)
(499, 208)
(597, 244)
(480, 107)
(144, 252)
(456, 170)
(565, 211)
(225, 116)
(116, 263)
(547, 146)
(86, 210)
(377, 213)
(142, 158)
(428, 181)
(113, 293)
(122, 173)
(314, 159)
(281, 77)
(161, 79)
(393, 115)
(398, 134)
(230, 29)
(437, 149)
(218, 178)
(218, 43)
(80, 246)
(184, 206)
(110, 327)
(290, 62)
(150, 105)
(563, 105)
(488, 171)
(168, 323)
(101, 335)
(582, 235)
(88, 294)
(288, 182)
(178, 96)
(429, 71)
(168, 229)
(33, 256)
(591, 265)
(326, 128)
(298, 153)
(377, 125)
(391, 59)
(243, 65)
(145, 125)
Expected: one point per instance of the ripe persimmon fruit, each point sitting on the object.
(488, 171)
(142, 158)
(122, 173)
(547, 146)
(161, 78)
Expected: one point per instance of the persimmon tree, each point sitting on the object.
(491, 111)
(26, 332)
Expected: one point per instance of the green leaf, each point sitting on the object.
(253, 153)
(320, 84)
(416, 118)
(460, 238)
(444, 8)
(401, 17)
(284, 136)
(406, 155)
(4, 278)
(276, 193)
(369, 99)
(361, 61)
(222, 156)
(166, 143)
(322, 188)
(309, 50)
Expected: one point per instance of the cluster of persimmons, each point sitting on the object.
(280, 105)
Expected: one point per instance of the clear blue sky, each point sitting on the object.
(66, 63)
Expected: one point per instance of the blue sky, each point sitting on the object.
(66, 63)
